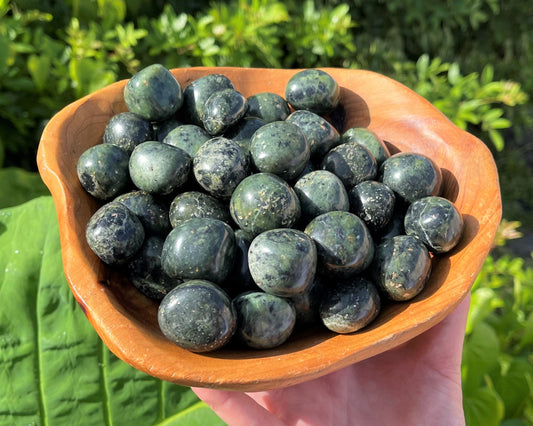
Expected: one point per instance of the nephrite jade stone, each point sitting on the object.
(264, 320)
(320, 134)
(350, 305)
(190, 204)
(411, 176)
(369, 139)
(268, 107)
(283, 261)
(199, 248)
(127, 130)
(223, 109)
(219, 166)
(320, 191)
(153, 93)
(351, 162)
(198, 316)
(145, 271)
(434, 221)
(264, 201)
(313, 90)
(172, 171)
(344, 244)
(151, 211)
(239, 279)
(188, 137)
(103, 171)
(114, 233)
(373, 202)
(242, 132)
(280, 148)
(401, 267)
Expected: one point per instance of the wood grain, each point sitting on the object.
(126, 320)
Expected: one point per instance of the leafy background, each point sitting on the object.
(471, 58)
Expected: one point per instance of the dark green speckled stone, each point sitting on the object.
(162, 128)
(198, 316)
(411, 176)
(199, 248)
(401, 267)
(350, 305)
(145, 271)
(197, 92)
(159, 168)
(239, 279)
(320, 134)
(268, 106)
(373, 202)
(370, 140)
(351, 162)
(283, 261)
(307, 303)
(313, 90)
(436, 222)
(188, 137)
(344, 244)
(264, 321)
(280, 148)
(319, 192)
(219, 166)
(114, 233)
(103, 171)
(222, 110)
(264, 201)
(127, 130)
(153, 93)
(152, 212)
(243, 131)
(190, 204)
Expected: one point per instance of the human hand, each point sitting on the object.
(417, 383)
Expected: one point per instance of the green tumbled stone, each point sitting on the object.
(264, 321)
(373, 202)
(280, 148)
(239, 279)
(401, 267)
(127, 130)
(320, 134)
(222, 110)
(145, 271)
(283, 261)
(187, 137)
(219, 166)
(103, 171)
(411, 176)
(197, 92)
(153, 93)
(352, 163)
(313, 90)
(344, 244)
(264, 201)
(114, 233)
(243, 130)
(436, 222)
(319, 192)
(159, 168)
(191, 204)
(199, 248)
(268, 106)
(350, 305)
(370, 140)
(152, 212)
(198, 316)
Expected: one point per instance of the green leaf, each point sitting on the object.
(18, 186)
(4, 53)
(480, 355)
(483, 407)
(527, 337)
(54, 369)
(39, 68)
(515, 386)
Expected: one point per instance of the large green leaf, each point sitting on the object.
(54, 369)
(18, 186)
(483, 407)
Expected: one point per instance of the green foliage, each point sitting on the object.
(497, 367)
(54, 368)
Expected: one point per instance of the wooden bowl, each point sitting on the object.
(127, 321)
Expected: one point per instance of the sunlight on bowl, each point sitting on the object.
(127, 321)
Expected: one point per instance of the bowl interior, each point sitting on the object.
(127, 321)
